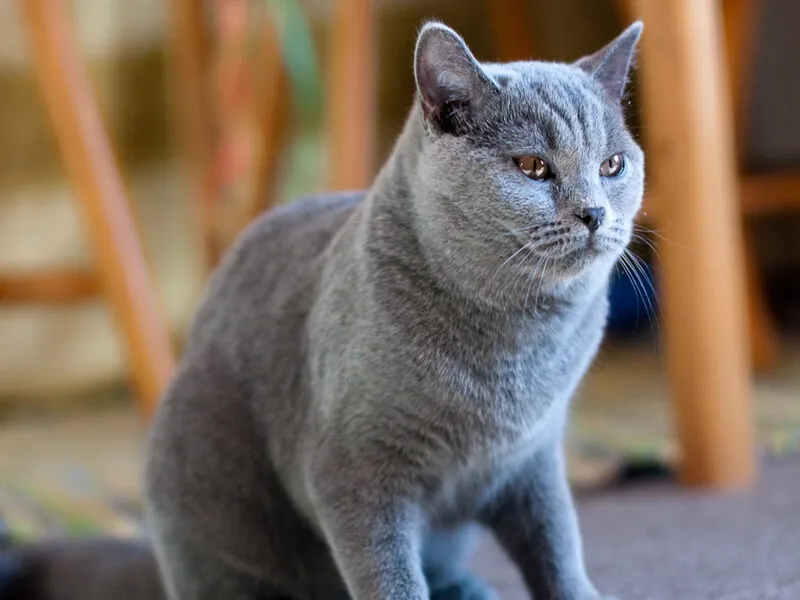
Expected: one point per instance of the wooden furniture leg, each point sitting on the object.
(692, 159)
(351, 95)
(511, 30)
(232, 112)
(764, 342)
(741, 22)
(49, 286)
(273, 115)
(99, 190)
(190, 48)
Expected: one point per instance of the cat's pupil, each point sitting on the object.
(534, 167)
(612, 166)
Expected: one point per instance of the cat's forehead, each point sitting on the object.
(559, 102)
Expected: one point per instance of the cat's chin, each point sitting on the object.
(583, 260)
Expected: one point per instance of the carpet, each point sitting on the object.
(661, 542)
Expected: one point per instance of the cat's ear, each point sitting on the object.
(612, 64)
(450, 81)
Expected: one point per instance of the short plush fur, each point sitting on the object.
(371, 375)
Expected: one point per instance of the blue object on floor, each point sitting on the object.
(631, 301)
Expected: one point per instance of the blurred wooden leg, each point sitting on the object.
(190, 49)
(90, 164)
(741, 25)
(764, 343)
(273, 116)
(351, 95)
(511, 29)
(692, 158)
(49, 286)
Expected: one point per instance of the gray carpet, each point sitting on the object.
(659, 542)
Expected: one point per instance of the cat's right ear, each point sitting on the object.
(450, 81)
(612, 64)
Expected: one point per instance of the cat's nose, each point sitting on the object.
(593, 217)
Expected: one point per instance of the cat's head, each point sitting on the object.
(527, 168)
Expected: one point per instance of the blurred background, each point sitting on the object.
(264, 85)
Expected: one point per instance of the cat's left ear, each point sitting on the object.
(612, 64)
(450, 81)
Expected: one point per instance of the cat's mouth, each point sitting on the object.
(573, 255)
(588, 246)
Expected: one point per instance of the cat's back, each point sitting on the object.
(269, 274)
(239, 382)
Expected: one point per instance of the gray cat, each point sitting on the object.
(370, 376)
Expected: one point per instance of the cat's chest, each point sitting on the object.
(510, 406)
(526, 378)
(471, 480)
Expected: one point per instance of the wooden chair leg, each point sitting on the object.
(351, 95)
(99, 190)
(49, 286)
(272, 115)
(764, 343)
(740, 25)
(511, 30)
(692, 159)
(190, 48)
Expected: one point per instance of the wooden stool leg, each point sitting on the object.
(511, 30)
(764, 344)
(273, 116)
(692, 158)
(741, 24)
(192, 113)
(351, 95)
(91, 167)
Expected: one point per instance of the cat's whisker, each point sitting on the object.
(539, 287)
(638, 228)
(642, 269)
(532, 278)
(648, 243)
(541, 227)
(520, 276)
(641, 282)
(521, 230)
(493, 279)
(624, 264)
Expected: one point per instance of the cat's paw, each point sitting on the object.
(466, 587)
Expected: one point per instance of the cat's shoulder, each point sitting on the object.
(295, 229)
(306, 214)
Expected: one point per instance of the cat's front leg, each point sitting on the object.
(375, 537)
(534, 519)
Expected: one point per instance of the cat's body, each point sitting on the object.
(370, 375)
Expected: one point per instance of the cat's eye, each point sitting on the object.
(612, 166)
(534, 167)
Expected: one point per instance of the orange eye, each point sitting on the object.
(534, 167)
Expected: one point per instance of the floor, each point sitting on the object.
(658, 542)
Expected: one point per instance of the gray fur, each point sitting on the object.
(369, 374)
